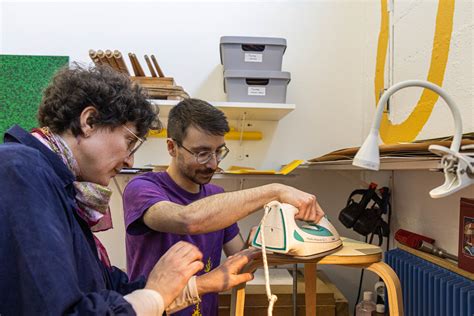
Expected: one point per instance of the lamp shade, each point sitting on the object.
(368, 155)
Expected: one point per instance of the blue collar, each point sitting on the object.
(16, 134)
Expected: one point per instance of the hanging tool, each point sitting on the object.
(421, 243)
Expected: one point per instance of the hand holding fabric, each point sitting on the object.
(172, 272)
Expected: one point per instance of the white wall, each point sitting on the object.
(414, 24)
(324, 55)
(331, 56)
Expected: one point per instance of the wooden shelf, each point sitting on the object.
(445, 263)
(227, 176)
(386, 163)
(237, 110)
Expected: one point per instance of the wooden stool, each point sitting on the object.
(353, 254)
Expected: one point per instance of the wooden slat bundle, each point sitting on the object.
(158, 86)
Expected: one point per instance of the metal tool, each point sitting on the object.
(430, 248)
(422, 243)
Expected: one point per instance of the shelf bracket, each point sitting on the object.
(241, 154)
(242, 127)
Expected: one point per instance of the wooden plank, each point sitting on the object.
(168, 81)
(445, 263)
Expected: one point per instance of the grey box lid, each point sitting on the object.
(242, 40)
(253, 40)
(261, 74)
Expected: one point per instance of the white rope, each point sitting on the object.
(271, 297)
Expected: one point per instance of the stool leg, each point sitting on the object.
(392, 283)
(237, 301)
(310, 288)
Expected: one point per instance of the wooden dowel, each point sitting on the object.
(134, 67)
(93, 56)
(158, 69)
(110, 58)
(121, 62)
(150, 66)
(140, 71)
(102, 58)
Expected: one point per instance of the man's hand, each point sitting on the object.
(252, 232)
(227, 275)
(172, 272)
(308, 206)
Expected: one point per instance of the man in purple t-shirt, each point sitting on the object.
(146, 246)
(180, 204)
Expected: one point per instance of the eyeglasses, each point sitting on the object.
(134, 145)
(203, 157)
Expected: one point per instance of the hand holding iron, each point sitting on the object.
(308, 207)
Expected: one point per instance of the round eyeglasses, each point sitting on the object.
(203, 157)
(133, 146)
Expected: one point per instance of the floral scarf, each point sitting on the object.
(92, 199)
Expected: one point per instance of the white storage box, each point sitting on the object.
(252, 53)
(256, 86)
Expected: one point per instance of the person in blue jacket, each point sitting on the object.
(54, 195)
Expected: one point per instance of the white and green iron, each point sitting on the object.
(283, 235)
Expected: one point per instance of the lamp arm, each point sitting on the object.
(428, 85)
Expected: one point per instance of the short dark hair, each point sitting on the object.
(197, 113)
(117, 100)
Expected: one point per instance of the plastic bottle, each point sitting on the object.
(379, 310)
(379, 292)
(366, 306)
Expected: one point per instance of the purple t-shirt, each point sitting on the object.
(145, 246)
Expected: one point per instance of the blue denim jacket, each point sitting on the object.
(49, 263)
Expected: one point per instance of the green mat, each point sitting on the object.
(22, 81)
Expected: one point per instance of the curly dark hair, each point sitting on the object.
(197, 113)
(117, 100)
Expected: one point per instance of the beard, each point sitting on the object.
(199, 176)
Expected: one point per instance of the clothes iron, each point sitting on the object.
(283, 235)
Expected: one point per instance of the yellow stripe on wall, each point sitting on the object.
(411, 127)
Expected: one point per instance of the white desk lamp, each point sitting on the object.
(458, 168)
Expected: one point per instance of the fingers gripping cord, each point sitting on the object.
(271, 297)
